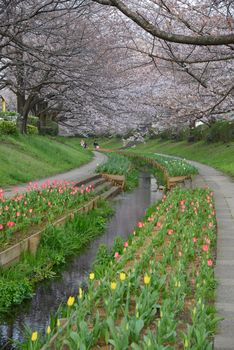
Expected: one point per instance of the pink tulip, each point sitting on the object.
(125, 244)
(140, 224)
(170, 232)
(205, 247)
(1, 227)
(210, 224)
(194, 239)
(116, 255)
(210, 262)
(158, 224)
(10, 224)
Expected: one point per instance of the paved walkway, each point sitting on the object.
(223, 188)
(72, 175)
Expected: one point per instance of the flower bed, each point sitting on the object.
(156, 291)
(174, 166)
(20, 213)
(56, 245)
(119, 165)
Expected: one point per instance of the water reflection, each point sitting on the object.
(129, 209)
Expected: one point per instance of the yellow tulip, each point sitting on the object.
(113, 285)
(34, 336)
(146, 279)
(80, 293)
(58, 323)
(91, 276)
(48, 330)
(70, 301)
(122, 276)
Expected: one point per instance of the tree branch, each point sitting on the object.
(205, 40)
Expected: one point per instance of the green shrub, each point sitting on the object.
(32, 130)
(198, 133)
(221, 131)
(10, 116)
(181, 135)
(50, 129)
(12, 292)
(32, 120)
(8, 128)
(165, 135)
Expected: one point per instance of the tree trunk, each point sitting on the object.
(27, 107)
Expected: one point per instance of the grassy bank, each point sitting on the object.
(26, 158)
(217, 155)
(108, 143)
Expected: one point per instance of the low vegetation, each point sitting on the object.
(217, 155)
(120, 165)
(27, 158)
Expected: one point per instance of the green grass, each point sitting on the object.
(217, 155)
(26, 158)
(108, 143)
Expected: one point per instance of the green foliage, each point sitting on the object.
(32, 130)
(33, 120)
(56, 245)
(8, 128)
(118, 245)
(50, 129)
(120, 165)
(221, 131)
(102, 260)
(175, 167)
(10, 116)
(13, 291)
(197, 134)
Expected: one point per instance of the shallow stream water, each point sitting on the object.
(129, 209)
